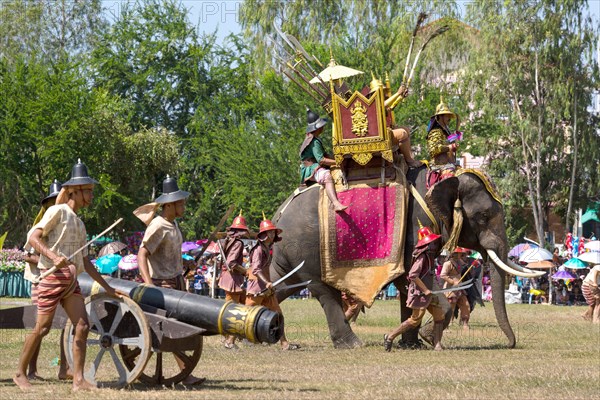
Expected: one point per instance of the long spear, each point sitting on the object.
(435, 34)
(422, 16)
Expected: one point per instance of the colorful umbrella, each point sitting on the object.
(128, 262)
(188, 246)
(594, 245)
(112, 248)
(213, 248)
(535, 254)
(108, 264)
(540, 264)
(518, 249)
(575, 263)
(563, 275)
(592, 257)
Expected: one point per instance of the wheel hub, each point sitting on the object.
(106, 341)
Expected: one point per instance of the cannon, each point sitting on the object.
(137, 331)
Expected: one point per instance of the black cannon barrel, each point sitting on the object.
(255, 323)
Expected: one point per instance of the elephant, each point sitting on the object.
(483, 230)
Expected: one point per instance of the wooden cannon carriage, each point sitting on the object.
(153, 321)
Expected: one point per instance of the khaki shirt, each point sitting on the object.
(63, 233)
(163, 241)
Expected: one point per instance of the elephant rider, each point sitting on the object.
(31, 273)
(60, 232)
(591, 292)
(315, 164)
(260, 290)
(420, 298)
(451, 274)
(159, 258)
(233, 274)
(442, 144)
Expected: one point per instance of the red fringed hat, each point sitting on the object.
(266, 225)
(239, 222)
(426, 236)
(461, 250)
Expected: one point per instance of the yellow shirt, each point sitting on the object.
(163, 241)
(63, 233)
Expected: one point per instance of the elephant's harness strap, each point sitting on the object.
(423, 205)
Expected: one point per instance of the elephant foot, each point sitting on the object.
(350, 341)
(427, 336)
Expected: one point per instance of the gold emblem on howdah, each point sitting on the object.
(360, 123)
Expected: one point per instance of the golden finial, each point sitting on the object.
(420, 224)
(240, 212)
(264, 216)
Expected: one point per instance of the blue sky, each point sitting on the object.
(222, 15)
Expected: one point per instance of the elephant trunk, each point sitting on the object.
(498, 282)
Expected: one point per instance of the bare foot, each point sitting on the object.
(340, 208)
(191, 380)
(22, 382)
(83, 385)
(414, 163)
(33, 376)
(438, 348)
(65, 375)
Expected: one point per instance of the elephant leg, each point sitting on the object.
(339, 329)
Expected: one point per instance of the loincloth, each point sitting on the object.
(176, 283)
(589, 292)
(57, 287)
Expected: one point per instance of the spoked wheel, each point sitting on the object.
(162, 368)
(113, 321)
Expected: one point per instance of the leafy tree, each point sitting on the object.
(534, 60)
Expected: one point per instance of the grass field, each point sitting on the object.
(557, 357)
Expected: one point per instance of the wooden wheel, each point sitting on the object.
(162, 368)
(113, 321)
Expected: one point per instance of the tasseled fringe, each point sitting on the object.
(456, 228)
(146, 212)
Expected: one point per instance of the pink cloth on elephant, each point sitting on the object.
(366, 229)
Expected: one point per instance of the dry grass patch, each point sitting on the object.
(557, 356)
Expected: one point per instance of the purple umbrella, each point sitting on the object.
(518, 249)
(563, 275)
(188, 246)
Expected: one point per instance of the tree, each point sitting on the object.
(534, 59)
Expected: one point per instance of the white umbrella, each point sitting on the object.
(534, 255)
(594, 245)
(592, 257)
(335, 71)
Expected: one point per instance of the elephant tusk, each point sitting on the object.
(508, 269)
(523, 269)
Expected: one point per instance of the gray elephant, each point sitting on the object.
(482, 230)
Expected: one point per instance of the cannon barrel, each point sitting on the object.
(255, 323)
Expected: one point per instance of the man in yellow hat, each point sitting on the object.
(442, 144)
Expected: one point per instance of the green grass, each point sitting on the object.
(557, 357)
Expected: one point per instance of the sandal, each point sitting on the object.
(291, 346)
(387, 343)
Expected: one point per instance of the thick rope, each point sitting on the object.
(456, 228)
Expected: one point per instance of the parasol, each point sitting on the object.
(518, 249)
(128, 262)
(535, 254)
(108, 264)
(574, 263)
(592, 257)
(112, 248)
(563, 275)
(544, 264)
(335, 71)
(213, 248)
(188, 246)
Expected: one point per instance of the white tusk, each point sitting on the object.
(501, 264)
(523, 269)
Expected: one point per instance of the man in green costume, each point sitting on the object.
(315, 164)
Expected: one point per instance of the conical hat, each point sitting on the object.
(239, 222)
(171, 192)
(443, 109)
(79, 176)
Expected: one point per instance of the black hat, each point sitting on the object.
(53, 191)
(79, 176)
(313, 120)
(171, 192)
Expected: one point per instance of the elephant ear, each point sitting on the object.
(440, 199)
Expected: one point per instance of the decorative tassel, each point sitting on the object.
(146, 212)
(456, 228)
